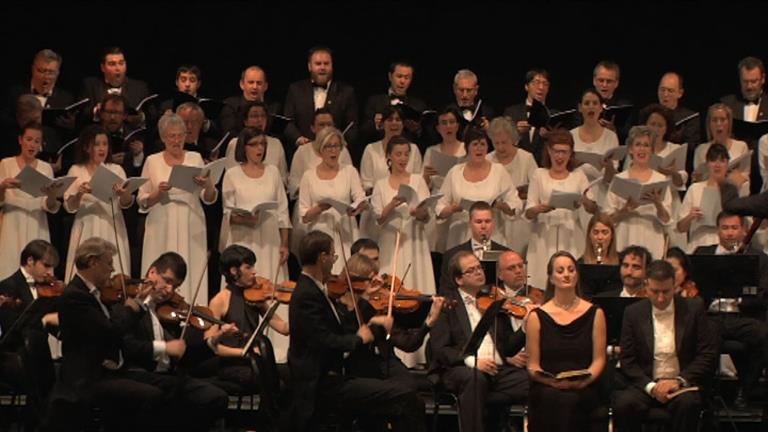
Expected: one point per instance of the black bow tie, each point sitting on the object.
(320, 86)
(467, 108)
(395, 98)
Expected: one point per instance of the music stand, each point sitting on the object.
(476, 338)
(724, 276)
(599, 278)
(613, 308)
(489, 260)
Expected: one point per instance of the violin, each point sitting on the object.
(405, 301)
(689, 289)
(9, 302)
(112, 291)
(263, 289)
(338, 286)
(50, 287)
(512, 306)
(175, 309)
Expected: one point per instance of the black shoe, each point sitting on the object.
(740, 403)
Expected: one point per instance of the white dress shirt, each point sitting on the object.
(487, 347)
(665, 361)
(159, 351)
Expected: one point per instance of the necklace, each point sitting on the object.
(568, 306)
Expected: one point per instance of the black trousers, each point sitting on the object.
(190, 403)
(473, 387)
(753, 334)
(121, 404)
(632, 404)
(388, 400)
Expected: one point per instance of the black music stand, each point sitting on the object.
(476, 338)
(613, 308)
(599, 278)
(724, 276)
(489, 260)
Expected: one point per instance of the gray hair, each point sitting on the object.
(48, 55)
(503, 125)
(169, 121)
(191, 106)
(464, 74)
(28, 103)
(639, 131)
(94, 247)
(324, 136)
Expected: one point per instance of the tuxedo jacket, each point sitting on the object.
(535, 146)
(88, 336)
(485, 111)
(696, 347)
(300, 106)
(60, 97)
(376, 105)
(95, 89)
(318, 342)
(232, 115)
(15, 286)
(736, 104)
(139, 336)
(447, 284)
(453, 330)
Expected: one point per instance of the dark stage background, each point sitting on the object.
(499, 41)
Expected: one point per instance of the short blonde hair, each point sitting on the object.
(323, 138)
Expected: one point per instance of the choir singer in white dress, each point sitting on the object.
(175, 218)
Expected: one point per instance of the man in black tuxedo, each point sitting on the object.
(474, 377)
(254, 86)
(750, 105)
(92, 372)
(605, 79)
(318, 346)
(45, 69)
(114, 81)
(400, 78)
(320, 91)
(154, 350)
(481, 230)
(666, 346)
(536, 88)
(24, 322)
(669, 93)
(466, 88)
(742, 319)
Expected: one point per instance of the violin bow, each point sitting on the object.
(117, 246)
(748, 238)
(77, 242)
(194, 297)
(349, 279)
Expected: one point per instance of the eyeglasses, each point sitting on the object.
(47, 72)
(335, 256)
(332, 147)
(474, 269)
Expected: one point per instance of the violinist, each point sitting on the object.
(318, 346)
(237, 266)
(22, 317)
(92, 373)
(685, 286)
(378, 359)
(153, 349)
(473, 377)
(367, 247)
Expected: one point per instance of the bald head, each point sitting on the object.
(511, 269)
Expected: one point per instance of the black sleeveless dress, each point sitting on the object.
(563, 347)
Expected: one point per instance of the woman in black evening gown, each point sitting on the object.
(567, 333)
